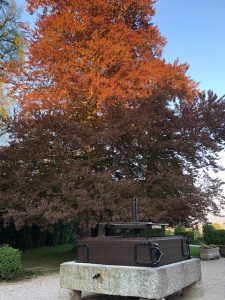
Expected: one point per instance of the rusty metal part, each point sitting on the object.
(134, 210)
(132, 251)
(103, 227)
(148, 252)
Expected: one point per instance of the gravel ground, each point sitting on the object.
(40, 288)
(47, 287)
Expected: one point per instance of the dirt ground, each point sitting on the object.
(47, 287)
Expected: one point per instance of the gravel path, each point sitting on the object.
(213, 279)
(47, 287)
(40, 288)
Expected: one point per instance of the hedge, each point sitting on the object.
(213, 236)
(181, 230)
(10, 262)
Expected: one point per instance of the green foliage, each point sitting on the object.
(11, 41)
(181, 230)
(154, 232)
(10, 262)
(213, 236)
(33, 237)
(207, 233)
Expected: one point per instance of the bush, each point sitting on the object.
(10, 262)
(181, 230)
(213, 236)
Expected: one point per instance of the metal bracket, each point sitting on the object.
(186, 247)
(154, 254)
(87, 252)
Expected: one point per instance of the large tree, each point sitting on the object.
(104, 117)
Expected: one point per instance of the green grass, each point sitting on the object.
(47, 257)
(195, 250)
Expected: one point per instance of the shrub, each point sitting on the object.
(213, 236)
(10, 262)
(181, 230)
(207, 233)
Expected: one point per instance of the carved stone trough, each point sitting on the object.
(141, 282)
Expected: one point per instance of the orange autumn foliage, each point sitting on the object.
(91, 53)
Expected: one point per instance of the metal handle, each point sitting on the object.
(186, 247)
(154, 254)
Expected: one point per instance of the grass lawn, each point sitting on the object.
(195, 250)
(47, 257)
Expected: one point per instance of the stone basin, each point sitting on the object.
(141, 282)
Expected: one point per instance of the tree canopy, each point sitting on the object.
(85, 54)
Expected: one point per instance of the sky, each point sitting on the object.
(195, 33)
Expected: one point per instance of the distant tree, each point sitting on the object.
(10, 34)
(11, 51)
